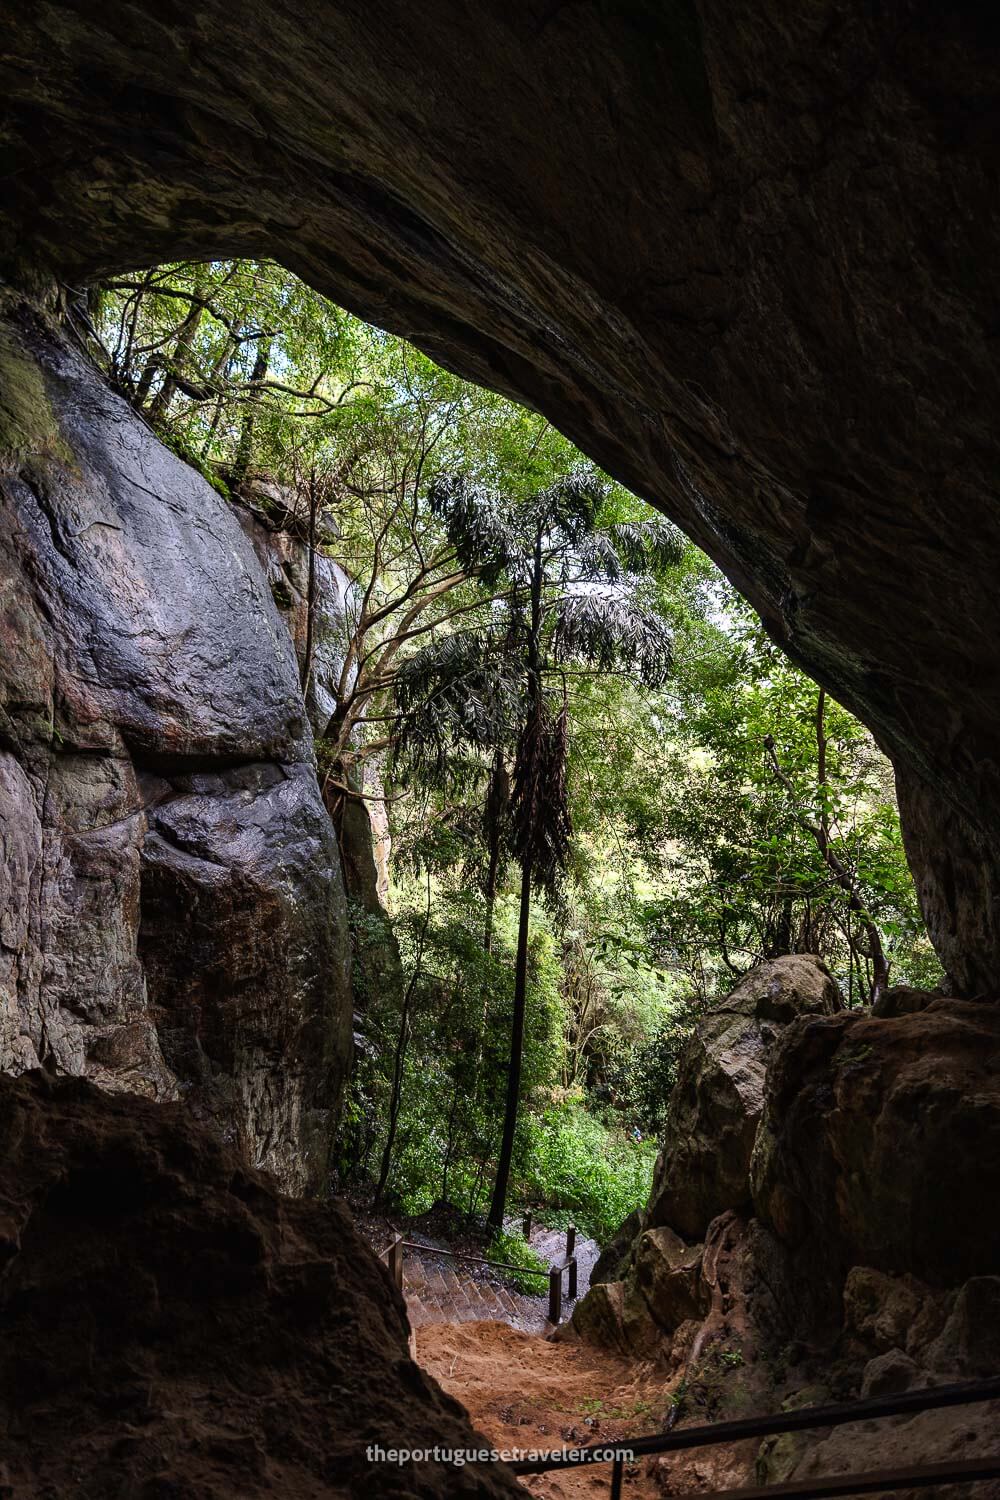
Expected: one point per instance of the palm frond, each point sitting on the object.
(485, 528)
(541, 828)
(461, 691)
(570, 505)
(598, 558)
(608, 628)
(646, 546)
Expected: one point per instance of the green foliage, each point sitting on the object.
(452, 1098)
(512, 1249)
(577, 1163)
(664, 782)
(640, 1076)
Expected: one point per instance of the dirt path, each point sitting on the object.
(524, 1391)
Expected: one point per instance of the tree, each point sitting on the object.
(568, 596)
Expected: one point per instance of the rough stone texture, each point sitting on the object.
(879, 1147)
(968, 1345)
(903, 1000)
(171, 908)
(888, 1374)
(739, 252)
(667, 1275)
(931, 1437)
(884, 1312)
(614, 1259)
(174, 1327)
(639, 1315)
(599, 1317)
(275, 532)
(716, 1105)
(956, 869)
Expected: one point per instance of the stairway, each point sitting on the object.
(439, 1292)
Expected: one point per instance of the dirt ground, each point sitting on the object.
(523, 1391)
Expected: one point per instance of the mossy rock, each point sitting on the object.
(29, 430)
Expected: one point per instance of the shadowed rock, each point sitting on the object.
(174, 1327)
(711, 1124)
(879, 1147)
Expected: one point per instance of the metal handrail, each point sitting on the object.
(965, 1393)
(479, 1260)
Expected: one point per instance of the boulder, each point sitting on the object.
(903, 1000)
(879, 1147)
(968, 1345)
(667, 1276)
(639, 1314)
(884, 1312)
(598, 1318)
(173, 1326)
(714, 1110)
(613, 1260)
(889, 1373)
(779, 1454)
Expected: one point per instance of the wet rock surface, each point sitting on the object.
(740, 253)
(279, 533)
(173, 1326)
(171, 909)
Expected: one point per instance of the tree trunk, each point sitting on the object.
(160, 404)
(396, 1095)
(245, 450)
(496, 806)
(821, 833)
(534, 694)
(499, 1203)
(307, 655)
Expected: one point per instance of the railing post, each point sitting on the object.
(616, 1477)
(570, 1241)
(571, 1279)
(396, 1261)
(555, 1294)
(527, 1224)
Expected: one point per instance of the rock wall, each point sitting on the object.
(655, 1281)
(279, 541)
(879, 1147)
(853, 1250)
(173, 1327)
(278, 536)
(716, 1106)
(849, 1144)
(740, 252)
(172, 917)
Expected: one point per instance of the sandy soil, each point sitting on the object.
(523, 1391)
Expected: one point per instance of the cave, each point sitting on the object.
(741, 257)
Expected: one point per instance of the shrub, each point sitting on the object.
(513, 1250)
(597, 1172)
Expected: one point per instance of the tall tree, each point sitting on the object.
(568, 595)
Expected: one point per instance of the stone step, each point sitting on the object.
(450, 1292)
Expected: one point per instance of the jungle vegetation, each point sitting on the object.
(608, 793)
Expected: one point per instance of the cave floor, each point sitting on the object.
(526, 1391)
